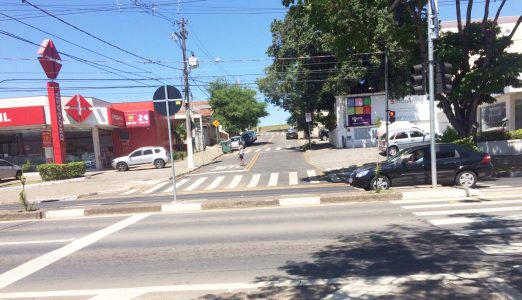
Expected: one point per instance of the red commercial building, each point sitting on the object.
(95, 130)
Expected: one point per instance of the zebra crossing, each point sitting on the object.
(231, 182)
(494, 223)
(269, 149)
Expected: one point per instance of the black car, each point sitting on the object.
(291, 134)
(456, 165)
(248, 137)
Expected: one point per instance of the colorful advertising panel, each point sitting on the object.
(55, 109)
(116, 117)
(359, 111)
(21, 116)
(137, 119)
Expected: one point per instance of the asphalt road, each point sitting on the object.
(395, 250)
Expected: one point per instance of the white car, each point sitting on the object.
(9, 170)
(153, 155)
(403, 138)
(235, 141)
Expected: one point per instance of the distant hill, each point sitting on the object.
(274, 128)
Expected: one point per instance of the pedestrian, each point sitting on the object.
(241, 154)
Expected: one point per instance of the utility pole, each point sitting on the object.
(386, 97)
(432, 34)
(188, 124)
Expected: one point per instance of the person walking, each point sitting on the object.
(241, 154)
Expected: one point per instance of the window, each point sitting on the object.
(492, 116)
(136, 153)
(362, 133)
(415, 134)
(4, 164)
(401, 135)
(157, 151)
(445, 151)
(147, 152)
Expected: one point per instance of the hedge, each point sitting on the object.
(56, 172)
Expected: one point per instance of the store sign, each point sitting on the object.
(359, 111)
(137, 119)
(116, 117)
(57, 129)
(78, 108)
(20, 116)
(47, 139)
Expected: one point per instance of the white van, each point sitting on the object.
(403, 138)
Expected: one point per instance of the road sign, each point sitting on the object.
(215, 123)
(174, 99)
(308, 117)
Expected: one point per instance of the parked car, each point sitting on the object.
(235, 141)
(291, 134)
(402, 138)
(153, 155)
(324, 134)
(254, 134)
(9, 170)
(456, 165)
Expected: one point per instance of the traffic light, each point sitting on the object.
(443, 78)
(391, 116)
(417, 80)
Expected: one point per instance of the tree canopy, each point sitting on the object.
(356, 31)
(235, 106)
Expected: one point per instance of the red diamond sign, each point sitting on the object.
(49, 59)
(78, 108)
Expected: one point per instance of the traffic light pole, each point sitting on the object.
(431, 37)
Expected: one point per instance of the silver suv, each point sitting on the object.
(403, 138)
(155, 155)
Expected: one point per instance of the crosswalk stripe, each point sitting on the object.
(178, 184)
(156, 187)
(196, 184)
(129, 192)
(235, 181)
(215, 183)
(273, 179)
(467, 211)
(467, 220)
(278, 148)
(311, 173)
(254, 181)
(292, 178)
(501, 249)
(496, 202)
(257, 150)
(487, 231)
(268, 149)
(429, 200)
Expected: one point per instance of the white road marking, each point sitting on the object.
(467, 211)
(300, 201)
(466, 220)
(178, 184)
(356, 287)
(215, 183)
(35, 242)
(486, 231)
(43, 261)
(501, 249)
(292, 178)
(268, 149)
(278, 148)
(430, 200)
(311, 173)
(496, 202)
(196, 184)
(235, 182)
(257, 150)
(248, 151)
(273, 179)
(129, 192)
(65, 213)
(254, 181)
(155, 188)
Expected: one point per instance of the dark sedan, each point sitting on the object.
(456, 165)
(291, 134)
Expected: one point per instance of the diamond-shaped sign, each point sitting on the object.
(78, 108)
(49, 59)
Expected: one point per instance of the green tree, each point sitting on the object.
(482, 66)
(235, 106)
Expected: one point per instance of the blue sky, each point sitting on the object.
(229, 37)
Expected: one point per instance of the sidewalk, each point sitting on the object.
(100, 182)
